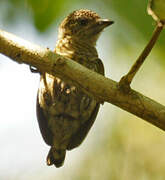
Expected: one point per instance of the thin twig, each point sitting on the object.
(126, 80)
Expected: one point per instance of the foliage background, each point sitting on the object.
(120, 146)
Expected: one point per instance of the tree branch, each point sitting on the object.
(102, 88)
(126, 80)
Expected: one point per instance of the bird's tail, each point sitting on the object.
(56, 157)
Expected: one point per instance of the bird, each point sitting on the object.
(65, 112)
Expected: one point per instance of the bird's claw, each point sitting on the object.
(33, 69)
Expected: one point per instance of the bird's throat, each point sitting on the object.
(76, 49)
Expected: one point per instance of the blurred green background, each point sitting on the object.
(120, 146)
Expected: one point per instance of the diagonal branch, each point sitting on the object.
(102, 88)
(127, 79)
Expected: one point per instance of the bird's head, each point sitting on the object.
(83, 25)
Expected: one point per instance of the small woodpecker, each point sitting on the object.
(65, 113)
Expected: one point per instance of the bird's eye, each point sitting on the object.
(83, 22)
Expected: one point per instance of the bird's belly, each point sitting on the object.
(58, 97)
(66, 108)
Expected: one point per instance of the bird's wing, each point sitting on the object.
(100, 66)
(81, 133)
(43, 125)
(78, 137)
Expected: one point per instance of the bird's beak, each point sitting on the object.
(104, 23)
(99, 26)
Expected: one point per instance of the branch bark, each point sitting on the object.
(102, 88)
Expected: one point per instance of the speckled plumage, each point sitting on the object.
(65, 113)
